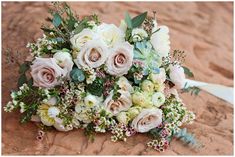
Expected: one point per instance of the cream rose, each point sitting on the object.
(160, 40)
(147, 120)
(78, 40)
(123, 103)
(177, 76)
(45, 72)
(111, 34)
(120, 59)
(93, 54)
(64, 60)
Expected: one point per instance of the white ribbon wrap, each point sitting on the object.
(223, 92)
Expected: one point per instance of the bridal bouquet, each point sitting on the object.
(100, 77)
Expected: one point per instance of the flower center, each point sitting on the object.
(94, 55)
(147, 120)
(120, 59)
(115, 106)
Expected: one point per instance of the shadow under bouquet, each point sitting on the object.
(86, 74)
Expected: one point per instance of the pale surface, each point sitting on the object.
(203, 30)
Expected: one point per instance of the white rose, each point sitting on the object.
(147, 120)
(158, 99)
(78, 40)
(138, 34)
(120, 59)
(158, 78)
(123, 103)
(45, 72)
(111, 34)
(124, 84)
(177, 76)
(64, 60)
(93, 54)
(160, 40)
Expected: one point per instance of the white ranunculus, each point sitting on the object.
(123, 118)
(78, 40)
(177, 76)
(138, 34)
(111, 34)
(64, 60)
(120, 59)
(147, 120)
(158, 78)
(158, 99)
(93, 54)
(147, 86)
(92, 100)
(160, 40)
(142, 99)
(123, 103)
(45, 72)
(124, 84)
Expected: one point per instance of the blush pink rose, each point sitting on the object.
(120, 59)
(45, 72)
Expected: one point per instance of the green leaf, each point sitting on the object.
(96, 88)
(77, 75)
(22, 79)
(30, 82)
(128, 20)
(56, 20)
(24, 67)
(138, 20)
(187, 72)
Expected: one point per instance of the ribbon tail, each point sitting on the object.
(223, 92)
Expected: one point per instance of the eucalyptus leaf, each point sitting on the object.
(56, 20)
(128, 20)
(77, 75)
(138, 20)
(187, 72)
